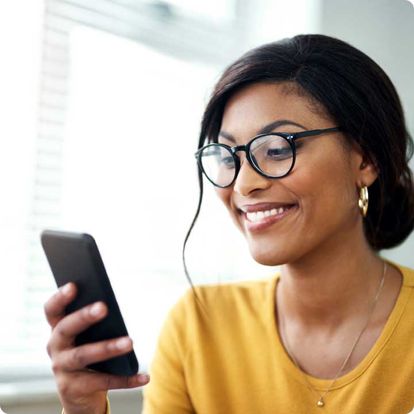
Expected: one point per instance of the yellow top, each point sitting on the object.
(226, 357)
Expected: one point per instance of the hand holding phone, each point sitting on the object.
(77, 315)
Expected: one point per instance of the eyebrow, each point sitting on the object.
(264, 130)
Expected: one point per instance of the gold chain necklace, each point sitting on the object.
(321, 397)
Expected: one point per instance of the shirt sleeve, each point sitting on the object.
(167, 390)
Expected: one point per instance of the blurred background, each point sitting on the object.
(100, 104)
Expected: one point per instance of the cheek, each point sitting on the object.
(328, 194)
(225, 194)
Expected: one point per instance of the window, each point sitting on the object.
(122, 89)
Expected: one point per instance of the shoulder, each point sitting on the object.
(408, 275)
(402, 313)
(246, 290)
(208, 306)
(224, 295)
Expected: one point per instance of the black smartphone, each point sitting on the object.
(74, 257)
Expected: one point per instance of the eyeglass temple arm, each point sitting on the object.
(313, 132)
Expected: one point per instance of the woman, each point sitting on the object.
(306, 144)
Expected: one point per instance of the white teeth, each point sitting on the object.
(260, 215)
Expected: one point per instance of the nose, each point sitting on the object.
(248, 179)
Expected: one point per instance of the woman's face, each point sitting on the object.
(317, 203)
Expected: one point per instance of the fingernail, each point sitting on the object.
(123, 343)
(96, 309)
(143, 378)
(66, 289)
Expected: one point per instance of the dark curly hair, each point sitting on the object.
(358, 95)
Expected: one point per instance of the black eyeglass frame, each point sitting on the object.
(290, 138)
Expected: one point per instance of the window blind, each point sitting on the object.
(161, 26)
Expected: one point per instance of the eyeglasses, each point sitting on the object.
(271, 155)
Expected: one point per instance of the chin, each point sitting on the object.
(277, 251)
(273, 256)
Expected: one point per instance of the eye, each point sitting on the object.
(279, 153)
(228, 162)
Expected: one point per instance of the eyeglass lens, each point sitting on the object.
(272, 154)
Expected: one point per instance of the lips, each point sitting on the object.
(260, 216)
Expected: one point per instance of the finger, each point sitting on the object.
(103, 382)
(70, 326)
(78, 358)
(55, 307)
(89, 382)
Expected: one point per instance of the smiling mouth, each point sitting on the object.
(257, 216)
(256, 221)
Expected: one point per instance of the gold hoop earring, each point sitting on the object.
(363, 201)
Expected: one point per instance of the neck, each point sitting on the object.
(325, 289)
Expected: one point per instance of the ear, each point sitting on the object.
(366, 171)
